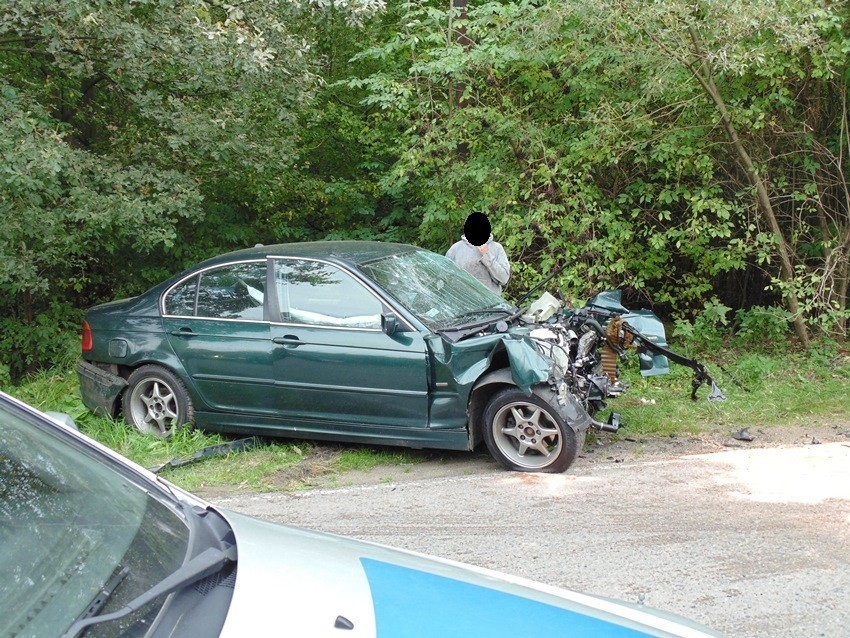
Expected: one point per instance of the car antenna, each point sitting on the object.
(546, 280)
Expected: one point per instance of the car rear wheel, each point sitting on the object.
(526, 434)
(156, 401)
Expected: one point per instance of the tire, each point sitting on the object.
(156, 402)
(526, 434)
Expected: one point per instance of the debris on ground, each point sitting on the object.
(743, 435)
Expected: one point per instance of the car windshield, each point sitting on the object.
(68, 523)
(434, 289)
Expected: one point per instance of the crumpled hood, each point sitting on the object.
(292, 582)
(466, 363)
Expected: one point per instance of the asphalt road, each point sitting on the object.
(751, 542)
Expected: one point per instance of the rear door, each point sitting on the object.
(335, 369)
(217, 325)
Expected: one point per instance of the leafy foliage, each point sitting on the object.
(142, 136)
(584, 131)
(762, 328)
(122, 121)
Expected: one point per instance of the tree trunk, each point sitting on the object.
(456, 95)
(703, 75)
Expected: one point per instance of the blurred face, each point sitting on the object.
(477, 229)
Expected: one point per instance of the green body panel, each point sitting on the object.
(448, 398)
(227, 363)
(267, 376)
(468, 360)
(651, 327)
(360, 377)
(528, 366)
(417, 438)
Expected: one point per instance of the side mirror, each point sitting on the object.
(389, 323)
(63, 418)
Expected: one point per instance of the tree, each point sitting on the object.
(125, 124)
(678, 30)
(593, 138)
(554, 132)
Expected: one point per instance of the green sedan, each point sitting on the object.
(363, 342)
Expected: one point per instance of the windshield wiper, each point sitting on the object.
(103, 596)
(479, 311)
(208, 562)
(455, 332)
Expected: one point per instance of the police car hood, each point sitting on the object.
(293, 582)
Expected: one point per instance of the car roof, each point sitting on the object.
(349, 252)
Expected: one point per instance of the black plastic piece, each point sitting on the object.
(239, 445)
(343, 623)
(700, 373)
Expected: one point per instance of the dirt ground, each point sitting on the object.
(751, 538)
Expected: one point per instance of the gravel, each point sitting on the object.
(751, 538)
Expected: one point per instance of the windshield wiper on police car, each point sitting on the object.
(103, 596)
(208, 562)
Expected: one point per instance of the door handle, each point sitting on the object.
(182, 332)
(287, 340)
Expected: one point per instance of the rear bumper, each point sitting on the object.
(100, 389)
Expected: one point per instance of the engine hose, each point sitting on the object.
(604, 334)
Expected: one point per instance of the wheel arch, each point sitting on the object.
(553, 440)
(485, 387)
(172, 365)
(494, 381)
(103, 383)
(172, 410)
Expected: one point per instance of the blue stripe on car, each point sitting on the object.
(416, 604)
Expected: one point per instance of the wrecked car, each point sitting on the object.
(364, 342)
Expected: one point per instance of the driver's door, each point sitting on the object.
(335, 368)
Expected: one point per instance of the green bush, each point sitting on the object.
(709, 329)
(762, 328)
(51, 339)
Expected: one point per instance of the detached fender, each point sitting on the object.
(99, 388)
(528, 366)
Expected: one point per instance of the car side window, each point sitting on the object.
(314, 293)
(234, 291)
(180, 301)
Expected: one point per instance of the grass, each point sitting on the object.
(272, 465)
(762, 390)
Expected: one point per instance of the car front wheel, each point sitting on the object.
(526, 434)
(156, 401)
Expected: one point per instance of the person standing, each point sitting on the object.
(479, 254)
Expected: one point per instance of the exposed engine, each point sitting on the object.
(586, 362)
(587, 346)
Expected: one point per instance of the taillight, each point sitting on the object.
(88, 343)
